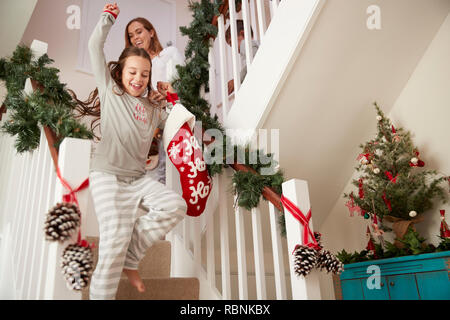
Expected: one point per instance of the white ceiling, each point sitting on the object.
(324, 111)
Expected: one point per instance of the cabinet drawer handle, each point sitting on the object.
(392, 283)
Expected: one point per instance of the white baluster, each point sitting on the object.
(20, 161)
(210, 247)
(33, 233)
(277, 249)
(50, 187)
(223, 66)
(23, 217)
(224, 237)
(187, 233)
(273, 8)
(247, 34)
(261, 19)
(6, 159)
(197, 243)
(40, 211)
(253, 20)
(212, 77)
(8, 177)
(241, 253)
(39, 236)
(234, 47)
(297, 192)
(260, 274)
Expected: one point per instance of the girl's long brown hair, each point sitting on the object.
(155, 45)
(91, 107)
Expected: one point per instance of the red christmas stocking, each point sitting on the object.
(186, 154)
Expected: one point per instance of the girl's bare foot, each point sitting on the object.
(135, 279)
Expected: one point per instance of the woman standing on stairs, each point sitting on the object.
(140, 33)
(118, 182)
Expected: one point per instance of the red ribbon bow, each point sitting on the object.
(85, 244)
(72, 198)
(363, 155)
(172, 97)
(391, 178)
(297, 213)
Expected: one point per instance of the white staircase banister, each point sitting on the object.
(303, 288)
(73, 161)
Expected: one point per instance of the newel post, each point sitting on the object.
(297, 192)
(73, 161)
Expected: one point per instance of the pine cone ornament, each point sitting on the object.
(62, 221)
(328, 261)
(318, 237)
(76, 265)
(305, 259)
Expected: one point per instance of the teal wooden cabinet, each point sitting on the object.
(420, 277)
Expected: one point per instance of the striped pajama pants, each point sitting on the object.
(126, 232)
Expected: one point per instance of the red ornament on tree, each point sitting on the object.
(391, 177)
(445, 231)
(351, 206)
(370, 245)
(361, 190)
(416, 162)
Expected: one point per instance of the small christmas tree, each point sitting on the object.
(392, 185)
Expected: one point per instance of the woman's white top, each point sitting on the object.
(163, 65)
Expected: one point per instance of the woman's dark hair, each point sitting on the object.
(155, 45)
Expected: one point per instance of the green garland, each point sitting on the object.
(52, 107)
(413, 243)
(193, 76)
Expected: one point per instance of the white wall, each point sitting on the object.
(14, 17)
(423, 108)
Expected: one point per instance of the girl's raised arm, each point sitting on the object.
(96, 45)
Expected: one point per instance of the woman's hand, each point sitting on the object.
(113, 8)
(156, 96)
(164, 88)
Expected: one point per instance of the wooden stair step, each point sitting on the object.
(161, 289)
(155, 264)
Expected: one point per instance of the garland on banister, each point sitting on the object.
(51, 106)
(194, 76)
